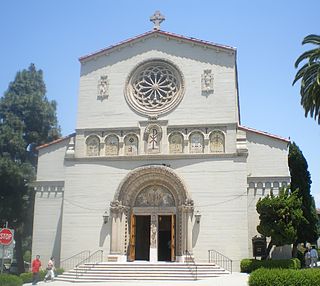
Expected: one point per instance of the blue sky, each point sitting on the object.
(267, 35)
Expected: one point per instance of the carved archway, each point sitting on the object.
(138, 181)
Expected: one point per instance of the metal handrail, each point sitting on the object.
(220, 259)
(72, 261)
(194, 273)
(95, 258)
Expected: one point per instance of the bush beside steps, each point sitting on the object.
(249, 265)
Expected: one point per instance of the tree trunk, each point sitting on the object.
(18, 248)
(270, 245)
(294, 250)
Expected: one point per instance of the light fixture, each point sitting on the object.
(197, 216)
(105, 217)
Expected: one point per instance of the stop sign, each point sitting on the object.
(6, 236)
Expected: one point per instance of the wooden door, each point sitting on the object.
(173, 238)
(132, 243)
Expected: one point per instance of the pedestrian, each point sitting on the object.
(50, 270)
(314, 257)
(36, 264)
(307, 258)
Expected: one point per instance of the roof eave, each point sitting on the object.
(105, 51)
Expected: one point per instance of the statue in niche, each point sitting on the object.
(196, 142)
(176, 143)
(93, 146)
(103, 88)
(217, 142)
(207, 81)
(112, 145)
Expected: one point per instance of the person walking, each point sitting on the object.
(314, 257)
(50, 270)
(36, 264)
(307, 258)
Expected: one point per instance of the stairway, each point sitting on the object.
(109, 271)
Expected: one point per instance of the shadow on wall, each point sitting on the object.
(195, 233)
(104, 232)
(57, 240)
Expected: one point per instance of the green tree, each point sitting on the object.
(301, 182)
(309, 74)
(279, 217)
(27, 119)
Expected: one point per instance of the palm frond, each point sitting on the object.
(311, 39)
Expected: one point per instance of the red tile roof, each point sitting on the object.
(55, 141)
(160, 33)
(263, 133)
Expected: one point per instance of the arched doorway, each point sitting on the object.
(151, 216)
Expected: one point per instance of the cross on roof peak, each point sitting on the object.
(157, 18)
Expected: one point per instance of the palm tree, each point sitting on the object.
(309, 74)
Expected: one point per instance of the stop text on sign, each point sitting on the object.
(6, 236)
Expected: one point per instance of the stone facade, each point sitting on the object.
(158, 139)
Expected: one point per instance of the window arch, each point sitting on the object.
(93, 145)
(217, 142)
(112, 145)
(176, 143)
(196, 142)
(131, 145)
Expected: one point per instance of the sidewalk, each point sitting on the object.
(234, 279)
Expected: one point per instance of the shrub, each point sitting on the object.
(10, 280)
(27, 277)
(249, 265)
(284, 277)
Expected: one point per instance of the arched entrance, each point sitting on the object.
(151, 216)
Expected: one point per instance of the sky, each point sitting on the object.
(267, 35)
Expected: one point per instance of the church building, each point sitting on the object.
(159, 166)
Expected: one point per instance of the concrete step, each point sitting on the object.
(110, 271)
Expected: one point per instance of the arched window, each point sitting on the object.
(112, 145)
(93, 146)
(196, 142)
(217, 142)
(176, 143)
(131, 145)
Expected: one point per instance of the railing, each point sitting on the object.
(95, 258)
(71, 262)
(193, 266)
(220, 259)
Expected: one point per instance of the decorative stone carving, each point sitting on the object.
(196, 142)
(155, 196)
(103, 88)
(217, 142)
(70, 148)
(153, 135)
(131, 145)
(112, 145)
(93, 146)
(207, 81)
(153, 238)
(154, 87)
(176, 143)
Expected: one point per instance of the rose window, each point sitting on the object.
(154, 87)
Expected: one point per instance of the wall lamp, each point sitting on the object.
(197, 216)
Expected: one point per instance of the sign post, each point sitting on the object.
(6, 238)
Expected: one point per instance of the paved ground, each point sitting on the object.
(235, 279)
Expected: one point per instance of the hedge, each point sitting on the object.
(10, 280)
(285, 277)
(27, 277)
(249, 265)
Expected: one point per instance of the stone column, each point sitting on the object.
(154, 238)
(118, 213)
(187, 212)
